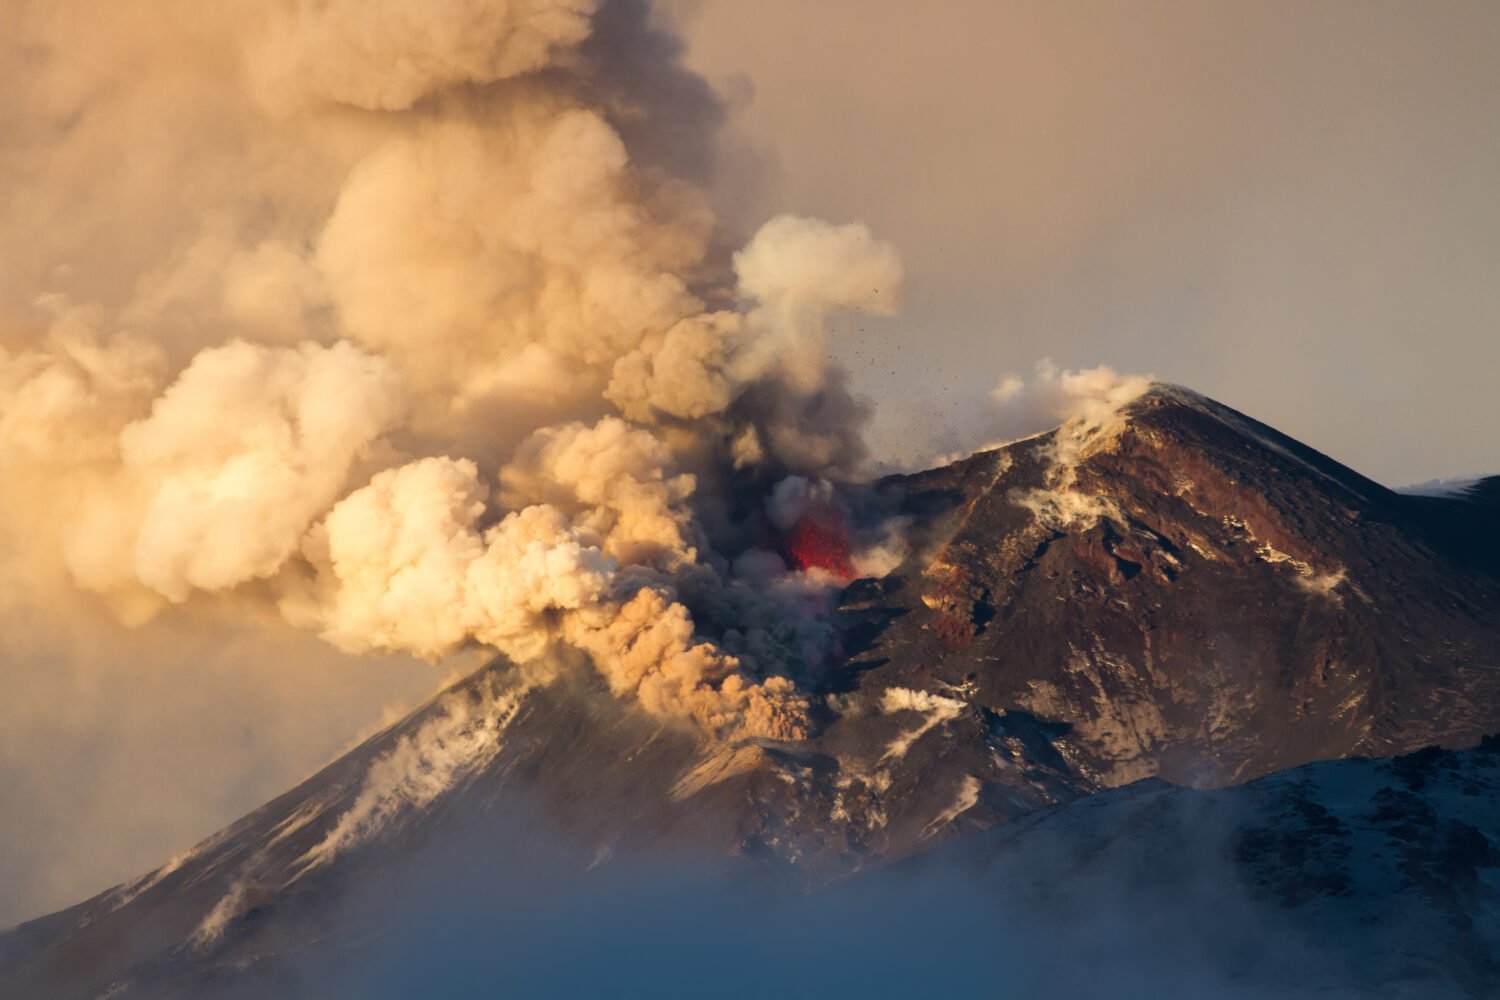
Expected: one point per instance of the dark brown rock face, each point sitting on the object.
(1235, 603)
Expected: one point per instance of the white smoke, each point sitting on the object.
(368, 311)
(797, 271)
(239, 456)
(1089, 400)
(1091, 404)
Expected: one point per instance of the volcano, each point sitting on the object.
(1177, 597)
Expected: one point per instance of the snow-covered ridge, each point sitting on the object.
(461, 737)
(461, 734)
(1454, 488)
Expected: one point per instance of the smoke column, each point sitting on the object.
(411, 320)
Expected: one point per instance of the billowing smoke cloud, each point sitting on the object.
(1090, 398)
(388, 55)
(1089, 405)
(370, 313)
(235, 461)
(1087, 409)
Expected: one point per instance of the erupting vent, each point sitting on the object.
(820, 540)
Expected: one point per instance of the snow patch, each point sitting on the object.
(1094, 402)
(937, 708)
(297, 820)
(867, 789)
(1205, 553)
(1309, 579)
(1323, 584)
(130, 892)
(968, 797)
(1456, 488)
(723, 763)
(225, 911)
(461, 737)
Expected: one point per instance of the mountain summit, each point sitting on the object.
(1167, 590)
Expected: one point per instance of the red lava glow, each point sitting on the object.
(820, 541)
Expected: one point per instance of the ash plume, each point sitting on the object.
(373, 313)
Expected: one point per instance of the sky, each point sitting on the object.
(1289, 207)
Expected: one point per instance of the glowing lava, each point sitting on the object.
(820, 540)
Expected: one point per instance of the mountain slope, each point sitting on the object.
(1228, 604)
(1376, 877)
(1170, 590)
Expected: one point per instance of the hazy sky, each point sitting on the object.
(1290, 206)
